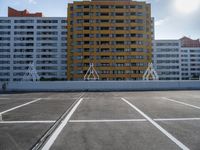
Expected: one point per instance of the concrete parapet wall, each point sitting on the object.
(103, 85)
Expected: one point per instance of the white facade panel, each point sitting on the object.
(174, 62)
(166, 59)
(41, 40)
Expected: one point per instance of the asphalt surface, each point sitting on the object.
(102, 120)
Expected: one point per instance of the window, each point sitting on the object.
(5, 21)
(63, 21)
(23, 33)
(5, 27)
(48, 27)
(79, 21)
(139, 21)
(4, 56)
(79, 14)
(104, 28)
(23, 27)
(119, 21)
(79, 28)
(104, 35)
(4, 62)
(119, 6)
(4, 38)
(47, 33)
(24, 21)
(79, 6)
(119, 35)
(168, 44)
(86, 6)
(119, 14)
(104, 6)
(132, 6)
(104, 21)
(4, 50)
(104, 14)
(139, 6)
(4, 33)
(47, 21)
(119, 28)
(86, 28)
(4, 44)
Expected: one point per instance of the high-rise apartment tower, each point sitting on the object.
(27, 38)
(115, 36)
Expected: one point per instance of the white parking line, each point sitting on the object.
(4, 98)
(183, 103)
(4, 95)
(132, 120)
(3, 112)
(96, 121)
(55, 134)
(23, 98)
(176, 141)
(176, 119)
(22, 122)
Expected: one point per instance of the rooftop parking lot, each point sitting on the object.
(100, 120)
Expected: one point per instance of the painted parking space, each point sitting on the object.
(21, 136)
(41, 110)
(102, 120)
(104, 107)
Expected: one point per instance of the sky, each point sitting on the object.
(173, 18)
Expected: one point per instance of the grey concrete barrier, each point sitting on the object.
(103, 85)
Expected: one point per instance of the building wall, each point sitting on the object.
(166, 58)
(190, 66)
(173, 61)
(115, 36)
(41, 40)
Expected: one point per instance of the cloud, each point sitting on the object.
(161, 21)
(32, 1)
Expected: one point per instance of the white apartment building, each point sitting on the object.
(190, 63)
(38, 40)
(166, 59)
(177, 59)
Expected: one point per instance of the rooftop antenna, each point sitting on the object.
(31, 74)
(91, 73)
(150, 73)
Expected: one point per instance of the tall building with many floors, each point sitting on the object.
(177, 59)
(166, 58)
(116, 36)
(32, 39)
(190, 59)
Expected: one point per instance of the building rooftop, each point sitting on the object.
(187, 42)
(113, 0)
(24, 13)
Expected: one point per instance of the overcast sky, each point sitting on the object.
(173, 18)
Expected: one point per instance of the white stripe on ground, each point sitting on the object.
(3, 112)
(5, 98)
(176, 119)
(183, 103)
(96, 121)
(13, 122)
(38, 97)
(133, 120)
(51, 98)
(171, 137)
(3, 95)
(55, 134)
